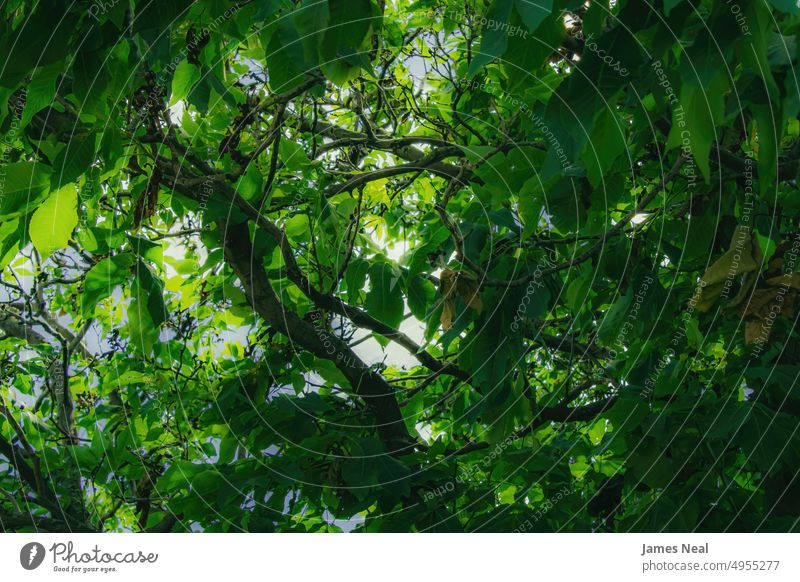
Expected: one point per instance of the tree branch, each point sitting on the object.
(366, 383)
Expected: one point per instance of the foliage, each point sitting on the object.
(318, 265)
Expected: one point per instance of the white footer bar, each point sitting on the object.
(406, 557)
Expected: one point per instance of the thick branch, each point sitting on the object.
(366, 383)
(329, 302)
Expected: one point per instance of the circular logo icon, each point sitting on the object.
(31, 555)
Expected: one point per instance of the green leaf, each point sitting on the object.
(493, 346)
(293, 155)
(766, 244)
(372, 467)
(53, 222)
(356, 277)
(250, 184)
(103, 278)
(788, 6)
(227, 449)
(298, 228)
(40, 93)
(74, 160)
(10, 238)
(613, 319)
(421, 293)
(344, 47)
(693, 334)
(769, 135)
(669, 5)
(25, 185)
(627, 413)
(605, 146)
(185, 77)
(650, 465)
(39, 39)
(311, 20)
(149, 291)
(152, 251)
(286, 58)
(702, 107)
(478, 153)
(577, 292)
(385, 298)
(533, 12)
(494, 38)
(531, 199)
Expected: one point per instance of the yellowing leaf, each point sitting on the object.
(788, 279)
(447, 282)
(53, 222)
(448, 314)
(766, 304)
(468, 290)
(742, 257)
(755, 331)
(465, 287)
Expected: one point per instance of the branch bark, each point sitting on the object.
(324, 301)
(370, 386)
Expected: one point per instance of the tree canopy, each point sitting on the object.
(325, 265)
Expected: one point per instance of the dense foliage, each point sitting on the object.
(313, 265)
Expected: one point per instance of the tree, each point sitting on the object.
(389, 266)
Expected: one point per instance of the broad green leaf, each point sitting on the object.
(74, 160)
(343, 49)
(53, 222)
(611, 326)
(494, 37)
(356, 278)
(286, 58)
(693, 126)
(149, 291)
(24, 186)
(531, 204)
(385, 298)
(40, 92)
(250, 184)
(578, 291)
(421, 293)
(533, 12)
(185, 77)
(298, 228)
(103, 278)
(788, 6)
(767, 146)
(669, 5)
